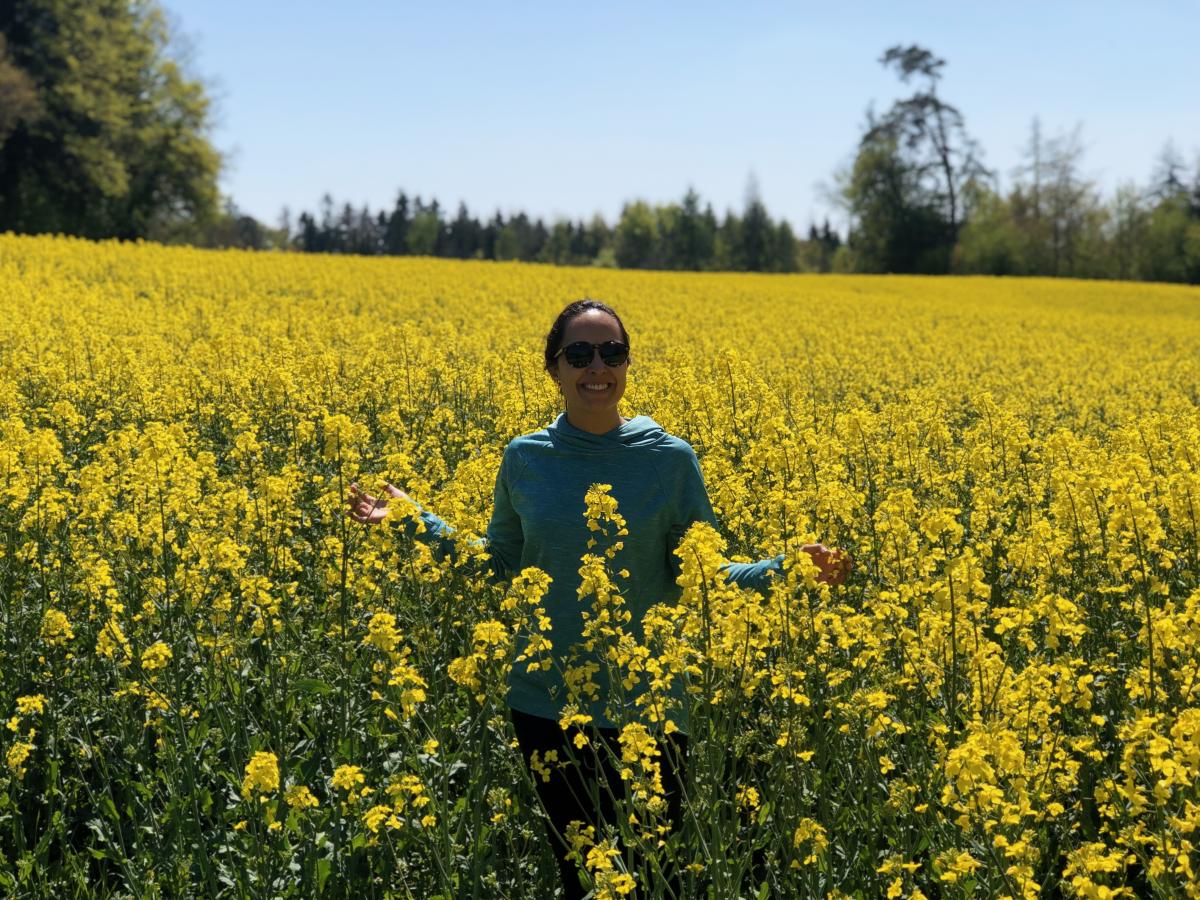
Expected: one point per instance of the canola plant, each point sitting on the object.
(216, 683)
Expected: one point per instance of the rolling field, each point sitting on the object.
(215, 683)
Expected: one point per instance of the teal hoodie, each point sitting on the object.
(539, 520)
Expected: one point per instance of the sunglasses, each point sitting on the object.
(580, 353)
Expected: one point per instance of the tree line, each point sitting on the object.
(685, 236)
(921, 200)
(103, 134)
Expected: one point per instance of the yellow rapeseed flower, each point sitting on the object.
(262, 774)
(156, 656)
(347, 778)
(300, 797)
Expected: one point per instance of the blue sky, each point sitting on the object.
(570, 109)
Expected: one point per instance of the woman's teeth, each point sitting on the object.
(595, 387)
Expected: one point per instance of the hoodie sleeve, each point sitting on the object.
(694, 506)
(505, 534)
(504, 540)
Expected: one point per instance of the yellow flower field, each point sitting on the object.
(215, 683)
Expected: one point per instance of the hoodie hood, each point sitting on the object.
(640, 431)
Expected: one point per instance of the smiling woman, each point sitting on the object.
(541, 518)
(587, 355)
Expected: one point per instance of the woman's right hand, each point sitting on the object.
(834, 564)
(372, 510)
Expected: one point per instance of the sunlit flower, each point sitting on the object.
(262, 774)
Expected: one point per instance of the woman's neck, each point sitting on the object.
(595, 424)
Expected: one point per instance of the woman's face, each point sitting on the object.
(591, 393)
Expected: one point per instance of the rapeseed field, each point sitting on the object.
(215, 683)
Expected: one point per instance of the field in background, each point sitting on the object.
(215, 682)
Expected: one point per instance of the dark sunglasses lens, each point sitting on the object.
(578, 354)
(614, 354)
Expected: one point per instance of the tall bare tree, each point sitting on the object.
(930, 132)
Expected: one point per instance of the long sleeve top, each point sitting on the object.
(539, 520)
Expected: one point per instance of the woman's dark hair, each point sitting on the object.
(554, 338)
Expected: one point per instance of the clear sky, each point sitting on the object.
(566, 109)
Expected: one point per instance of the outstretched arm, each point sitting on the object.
(391, 506)
(504, 540)
(755, 575)
(833, 564)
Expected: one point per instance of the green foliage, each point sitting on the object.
(1052, 222)
(757, 250)
(574, 245)
(636, 238)
(990, 243)
(423, 234)
(19, 98)
(120, 147)
(680, 236)
(1172, 242)
(689, 234)
(821, 249)
(931, 135)
(233, 228)
(898, 228)
(905, 190)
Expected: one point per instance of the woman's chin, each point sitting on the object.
(597, 400)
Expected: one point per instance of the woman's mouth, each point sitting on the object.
(595, 388)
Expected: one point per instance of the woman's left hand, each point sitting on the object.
(371, 510)
(834, 564)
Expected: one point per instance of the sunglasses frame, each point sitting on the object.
(616, 348)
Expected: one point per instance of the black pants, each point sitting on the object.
(584, 789)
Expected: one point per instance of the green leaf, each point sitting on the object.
(313, 686)
(764, 813)
(324, 867)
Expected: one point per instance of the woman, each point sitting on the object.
(538, 520)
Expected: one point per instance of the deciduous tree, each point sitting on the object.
(117, 145)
